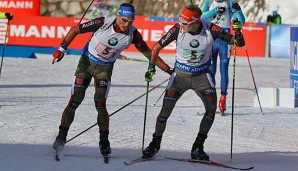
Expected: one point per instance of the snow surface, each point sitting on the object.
(34, 93)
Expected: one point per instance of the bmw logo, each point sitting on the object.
(113, 41)
(194, 43)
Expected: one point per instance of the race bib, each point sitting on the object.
(193, 56)
(105, 52)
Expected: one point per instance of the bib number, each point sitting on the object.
(193, 56)
(105, 52)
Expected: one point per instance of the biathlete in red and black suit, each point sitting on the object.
(194, 39)
(111, 35)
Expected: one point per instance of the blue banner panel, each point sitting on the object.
(294, 62)
(280, 41)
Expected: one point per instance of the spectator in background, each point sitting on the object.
(221, 12)
(99, 10)
(275, 18)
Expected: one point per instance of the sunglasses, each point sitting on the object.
(186, 23)
(125, 20)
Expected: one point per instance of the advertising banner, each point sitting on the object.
(42, 31)
(21, 7)
(255, 37)
(38, 31)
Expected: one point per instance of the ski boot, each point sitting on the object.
(104, 145)
(60, 141)
(222, 103)
(197, 151)
(153, 147)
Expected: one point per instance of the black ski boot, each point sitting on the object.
(153, 147)
(197, 151)
(104, 144)
(61, 138)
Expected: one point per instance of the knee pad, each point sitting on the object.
(99, 105)
(104, 84)
(171, 95)
(81, 83)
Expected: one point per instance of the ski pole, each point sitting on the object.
(233, 90)
(253, 78)
(159, 98)
(158, 85)
(4, 46)
(145, 116)
(85, 12)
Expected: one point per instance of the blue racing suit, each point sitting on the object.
(211, 12)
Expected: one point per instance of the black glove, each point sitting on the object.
(236, 6)
(9, 16)
(238, 35)
(170, 70)
(220, 10)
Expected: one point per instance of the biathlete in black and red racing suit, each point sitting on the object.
(194, 39)
(111, 35)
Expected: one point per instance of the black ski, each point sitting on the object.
(137, 160)
(210, 163)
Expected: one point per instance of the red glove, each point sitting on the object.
(58, 55)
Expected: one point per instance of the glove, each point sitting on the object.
(236, 25)
(170, 70)
(238, 35)
(236, 6)
(149, 74)
(220, 10)
(9, 16)
(58, 55)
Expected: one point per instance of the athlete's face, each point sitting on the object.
(124, 22)
(189, 26)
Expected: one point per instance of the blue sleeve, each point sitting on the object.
(205, 6)
(238, 14)
(209, 14)
(206, 13)
(240, 17)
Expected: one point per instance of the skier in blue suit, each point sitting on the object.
(221, 13)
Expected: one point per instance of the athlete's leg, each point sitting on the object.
(207, 92)
(175, 89)
(102, 83)
(224, 54)
(81, 83)
(213, 66)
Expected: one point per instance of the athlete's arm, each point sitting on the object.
(166, 39)
(218, 32)
(90, 26)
